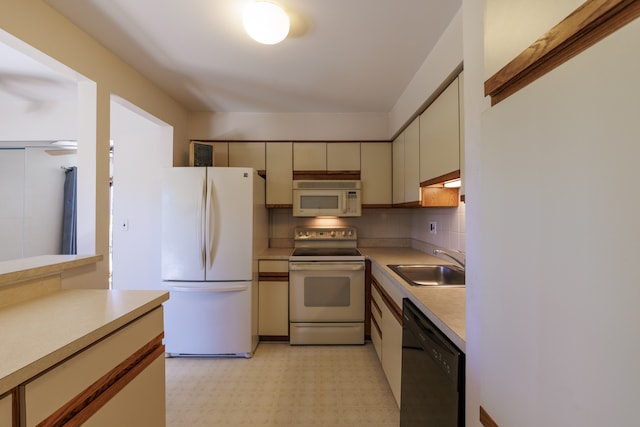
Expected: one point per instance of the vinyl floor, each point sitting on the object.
(282, 385)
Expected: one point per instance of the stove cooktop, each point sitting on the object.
(325, 252)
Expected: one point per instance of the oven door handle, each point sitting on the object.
(326, 266)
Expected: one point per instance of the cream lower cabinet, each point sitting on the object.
(6, 410)
(386, 334)
(273, 299)
(119, 380)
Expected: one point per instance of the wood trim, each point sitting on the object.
(588, 24)
(273, 277)
(485, 419)
(276, 206)
(377, 206)
(326, 175)
(15, 407)
(274, 338)
(440, 197)
(388, 301)
(88, 402)
(376, 306)
(440, 179)
(375, 325)
(415, 204)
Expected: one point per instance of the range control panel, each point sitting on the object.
(346, 233)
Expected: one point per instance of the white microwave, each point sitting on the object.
(327, 198)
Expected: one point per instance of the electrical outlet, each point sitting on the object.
(433, 227)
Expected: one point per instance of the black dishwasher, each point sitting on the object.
(432, 393)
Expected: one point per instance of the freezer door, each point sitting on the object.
(229, 233)
(183, 223)
(210, 319)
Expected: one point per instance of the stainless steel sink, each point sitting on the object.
(430, 274)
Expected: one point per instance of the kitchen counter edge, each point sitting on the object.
(73, 320)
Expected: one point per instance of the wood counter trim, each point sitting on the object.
(325, 175)
(588, 24)
(485, 419)
(388, 301)
(440, 179)
(85, 404)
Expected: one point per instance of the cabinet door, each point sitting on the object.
(220, 153)
(398, 169)
(392, 350)
(412, 162)
(440, 135)
(81, 373)
(375, 173)
(343, 156)
(247, 155)
(6, 413)
(310, 156)
(273, 308)
(279, 165)
(139, 403)
(376, 322)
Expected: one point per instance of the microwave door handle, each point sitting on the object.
(344, 202)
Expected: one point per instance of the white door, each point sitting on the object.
(230, 223)
(183, 222)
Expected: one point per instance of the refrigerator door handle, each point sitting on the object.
(230, 287)
(201, 219)
(211, 226)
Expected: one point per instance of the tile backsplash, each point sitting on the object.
(382, 227)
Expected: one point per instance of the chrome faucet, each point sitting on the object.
(440, 251)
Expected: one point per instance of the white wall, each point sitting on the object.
(289, 126)
(62, 45)
(558, 236)
(32, 194)
(142, 149)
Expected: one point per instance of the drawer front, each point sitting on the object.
(376, 338)
(47, 393)
(376, 306)
(273, 266)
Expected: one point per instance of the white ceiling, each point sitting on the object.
(341, 55)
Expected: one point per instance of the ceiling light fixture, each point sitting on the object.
(265, 22)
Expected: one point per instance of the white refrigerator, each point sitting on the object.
(214, 224)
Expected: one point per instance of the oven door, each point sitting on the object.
(326, 291)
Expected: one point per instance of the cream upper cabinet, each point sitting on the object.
(279, 167)
(398, 168)
(220, 153)
(375, 173)
(412, 162)
(440, 135)
(309, 156)
(247, 155)
(343, 156)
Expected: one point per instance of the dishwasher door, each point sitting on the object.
(432, 392)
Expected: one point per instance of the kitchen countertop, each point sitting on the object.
(275, 253)
(444, 306)
(41, 332)
(26, 268)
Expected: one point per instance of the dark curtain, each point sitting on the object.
(69, 227)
